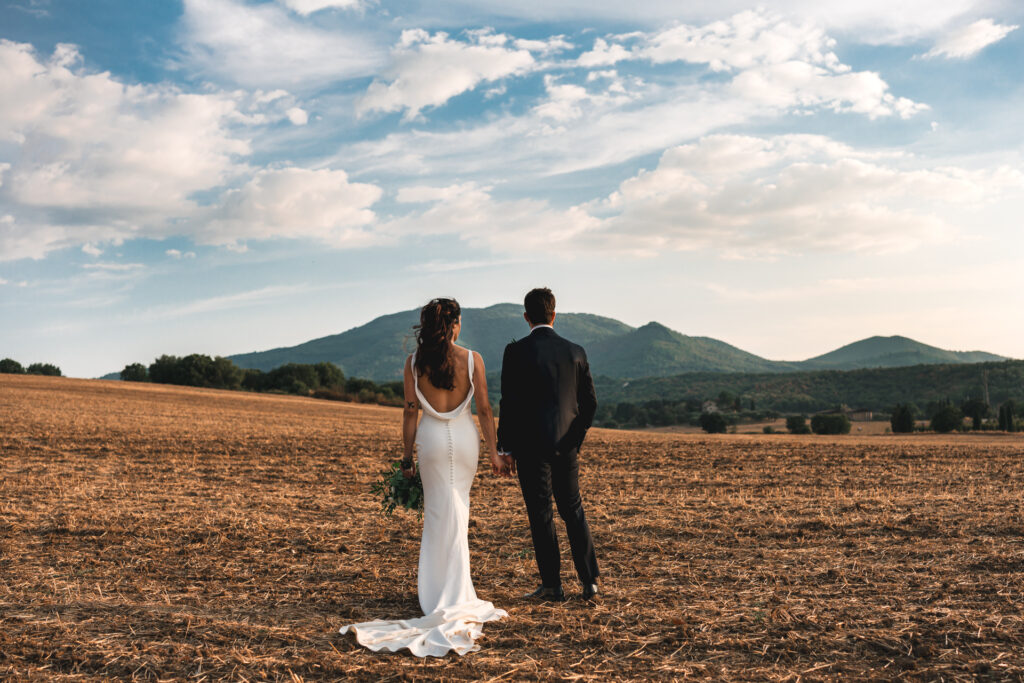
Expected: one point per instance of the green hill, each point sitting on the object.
(891, 352)
(877, 388)
(377, 349)
(656, 351)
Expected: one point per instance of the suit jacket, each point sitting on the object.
(547, 395)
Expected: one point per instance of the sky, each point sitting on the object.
(225, 176)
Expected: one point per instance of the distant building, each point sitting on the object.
(861, 415)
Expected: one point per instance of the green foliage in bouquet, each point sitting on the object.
(397, 491)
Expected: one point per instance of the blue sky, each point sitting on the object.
(222, 176)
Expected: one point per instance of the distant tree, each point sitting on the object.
(797, 424)
(135, 372)
(294, 378)
(11, 367)
(902, 419)
(43, 369)
(831, 423)
(768, 429)
(355, 385)
(254, 380)
(1007, 417)
(976, 409)
(713, 423)
(946, 419)
(164, 370)
(330, 375)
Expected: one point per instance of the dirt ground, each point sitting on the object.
(169, 533)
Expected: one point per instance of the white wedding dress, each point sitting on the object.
(448, 447)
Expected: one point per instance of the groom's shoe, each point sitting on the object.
(590, 591)
(545, 593)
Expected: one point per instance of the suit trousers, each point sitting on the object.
(540, 477)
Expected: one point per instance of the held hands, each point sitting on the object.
(502, 465)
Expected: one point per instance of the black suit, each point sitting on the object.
(547, 406)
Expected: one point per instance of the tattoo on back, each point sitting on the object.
(411, 404)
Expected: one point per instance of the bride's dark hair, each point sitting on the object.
(434, 342)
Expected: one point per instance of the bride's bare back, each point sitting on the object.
(444, 400)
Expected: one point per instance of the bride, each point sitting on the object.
(442, 378)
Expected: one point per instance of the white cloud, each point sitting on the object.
(263, 46)
(114, 267)
(98, 160)
(767, 66)
(91, 250)
(745, 196)
(293, 203)
(737, 196)
(777, 63)
(297, 116)
(471, 213)
(178, 254)
(306, 7)
(873, 21)
(427, 70)
(544, 47)
(225, 302)
(970, 40)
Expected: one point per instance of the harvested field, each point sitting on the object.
(157, 532)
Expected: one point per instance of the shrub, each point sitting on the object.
(832, 423)
(902, 419)
(797, 424)
(976, 409)
(713, 423)
(768, 429)
(135, 372)
(43, 369)
(946, 419)
(11, 367)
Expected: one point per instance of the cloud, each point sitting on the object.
(970, 40)
(471, 213)
(264, 46)
(872, 21)
(225, 302)
(752, 65)
(777, 63)
(91, 250)
(306, 7)
(745, 196)
(293, 203)
(737, 196)
(98, 160)
(297, 116)
(178, 254)
(428, 70)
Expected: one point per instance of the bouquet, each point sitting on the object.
(395, 490)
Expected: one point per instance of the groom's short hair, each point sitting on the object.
(540, 305)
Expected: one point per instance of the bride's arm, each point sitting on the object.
(410, 415)
(486, 415)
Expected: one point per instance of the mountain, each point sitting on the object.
(377, 349)
(657, 351)
(891, 352)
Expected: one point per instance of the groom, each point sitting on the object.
(547, 406)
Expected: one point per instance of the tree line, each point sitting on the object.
(13, 367)
(319, 380)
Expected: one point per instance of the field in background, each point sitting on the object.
(169, 532)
